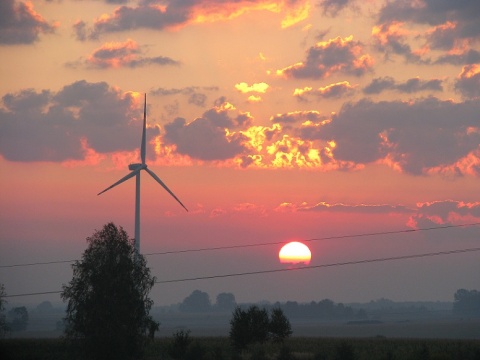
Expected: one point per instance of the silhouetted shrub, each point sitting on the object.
(179, 345)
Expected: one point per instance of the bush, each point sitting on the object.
(179, 345)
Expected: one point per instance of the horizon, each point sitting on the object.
(272, 121)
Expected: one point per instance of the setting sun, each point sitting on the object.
(295, 252)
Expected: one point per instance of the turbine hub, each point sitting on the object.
(134, 166)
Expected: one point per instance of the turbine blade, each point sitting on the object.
(152, 174)
(130, 175)
(144, 135)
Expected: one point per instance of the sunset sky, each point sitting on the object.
(272, 121)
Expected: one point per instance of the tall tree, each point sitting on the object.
(108, 304)
(3, 317)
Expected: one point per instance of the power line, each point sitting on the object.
(31, 294)
(403, 257)
(357, 262)
(313, 239)
(232, 247)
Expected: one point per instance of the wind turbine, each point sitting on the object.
(135, 171)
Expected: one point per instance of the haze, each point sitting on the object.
(271, 121)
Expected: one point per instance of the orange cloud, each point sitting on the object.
(244, 88)
(330, 91)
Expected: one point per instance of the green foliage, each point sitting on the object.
(108, 304)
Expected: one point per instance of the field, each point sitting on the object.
(216, 348)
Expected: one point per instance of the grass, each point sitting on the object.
(299, 348)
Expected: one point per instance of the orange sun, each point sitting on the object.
(295, 252)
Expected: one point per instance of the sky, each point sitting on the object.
(272, 121)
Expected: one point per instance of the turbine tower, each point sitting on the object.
(135, 171)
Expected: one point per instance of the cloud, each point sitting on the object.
(392, 38)
(207, 138)
(447, 213)
(468, 82)
(470, 56)
(338, 90)
(453, 26)
(297, 117)
(461, 17)
(195, 94)
(20, 24)
(174, 14)
(346, 208)
(333, 7)
(124, 54)
(339, 55)
(411, 136)
(69, 124)
(412, 85)
(244, 88)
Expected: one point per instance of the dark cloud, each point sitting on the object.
(203, 139)
(333, 56)
(413, 85)
(447, 213)
(416, 136)
(379, 84)
(390, 39)
(80, 30)
(453, 19)
(193, 93)
(159, 15)
(332, 7)
(48, 126)
(468, 82)
(468, 57)
(20, 24)
(297, 117)
(124, 54)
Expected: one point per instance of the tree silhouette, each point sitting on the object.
(18, 317)
(225, 302)
(197, 301)
(3, 317)
(467, 302)
(108, 304)
(249, 326)
(279, 326)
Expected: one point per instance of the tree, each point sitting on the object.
(279, 326)
(467, 302)
(197, 301)
(3, 318)
(249, 326)
(18, 318)
(108, 304)
(225, 302)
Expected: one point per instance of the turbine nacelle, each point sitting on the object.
(136, 166)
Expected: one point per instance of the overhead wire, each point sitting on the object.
(232, 247)
(355, 262)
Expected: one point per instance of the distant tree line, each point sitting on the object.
(467, 303)
(199, 302)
